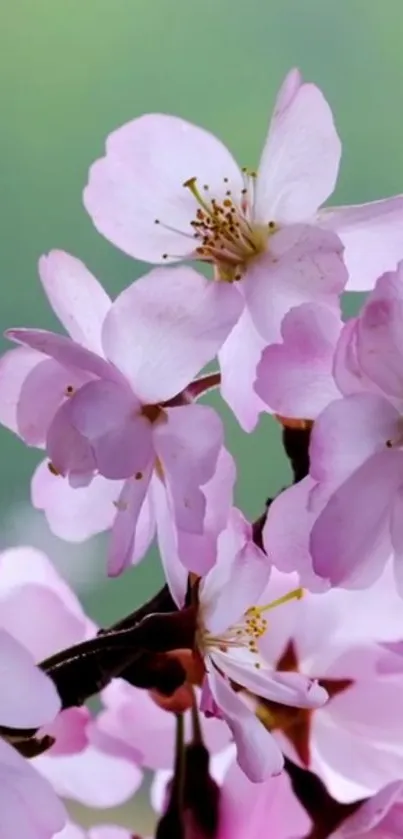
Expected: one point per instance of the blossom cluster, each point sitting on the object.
(263, 686)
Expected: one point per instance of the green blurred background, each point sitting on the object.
(73, 70)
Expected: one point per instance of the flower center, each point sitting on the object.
(247, 632)
(224, 230)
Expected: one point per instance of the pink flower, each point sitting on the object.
(42, 614)
(356, 448)
(28, 697)
(245, 808)
(115, 405)
(28, 805)
(353, 742)
(168, 190)
(131, 721)
(229, 626)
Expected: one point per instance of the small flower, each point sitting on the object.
(113, 401)
(228, 637)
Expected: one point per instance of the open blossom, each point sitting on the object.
(114, 403)
(42, 614)
(353, 498)
(336, 638)
(168, 190)
(229, 626)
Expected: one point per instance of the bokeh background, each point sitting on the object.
(73, 70)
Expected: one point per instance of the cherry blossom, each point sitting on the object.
(168, 190)
(125, 418)
(245, 808)
(41, 613)
(229, 625)
(335, 638)
(28, 805)
(356, 448)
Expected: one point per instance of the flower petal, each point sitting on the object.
(76, 297)
(291, 689)
(347, 433)
(141, 179)
(300, 161)
(380, 341)
(347, 371)
(29, 611)
(303, 265)
(349, 547)
(122, 544)
(237, 579)
(295, 377)
(70, 452)
(372, 235)
(64, 350)
(239, 357)
(182, 551)
(75, 513)
(15, 367)
(29, 807)
(164, 328)
(28, 697)
(175, 572)
(371, 813)
(52, 383)
(91, 776)
(188, 445)
(286, 534)
(258, 754)
(108, 416)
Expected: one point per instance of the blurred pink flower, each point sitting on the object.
(101, 831)
(41, 613)
(131, 721)
(28, 805)
(28, 698)
(379, 816)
